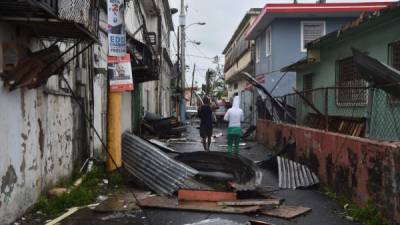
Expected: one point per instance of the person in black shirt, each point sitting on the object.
(206, 127)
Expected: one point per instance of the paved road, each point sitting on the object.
(323, 209)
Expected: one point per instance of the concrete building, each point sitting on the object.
(239, 57)
(281, 32)
(149, 24)
(46, 97)
(330, 72)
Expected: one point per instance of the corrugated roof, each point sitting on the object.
(373, 18)
(154, 168)
(293, 175)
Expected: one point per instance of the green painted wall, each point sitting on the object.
(385, 122)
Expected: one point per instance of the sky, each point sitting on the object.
(222, 18)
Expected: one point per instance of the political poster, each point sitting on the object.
(116, 28)
(120, 73)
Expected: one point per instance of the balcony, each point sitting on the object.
(53, 18)
(144, 65)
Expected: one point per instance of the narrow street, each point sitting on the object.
(106, 105)
(324, 210)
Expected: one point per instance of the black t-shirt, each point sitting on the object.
(205, 115)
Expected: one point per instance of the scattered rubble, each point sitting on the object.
(154, 168)
(219, 166)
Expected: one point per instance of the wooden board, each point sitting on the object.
(168, 203)
(200, 195)
(286, 212)
(251, 202)
(257, 222)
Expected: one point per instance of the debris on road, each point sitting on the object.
(216, 222)
(161, 145)
(286, 212)
(250, 202)
(241, 145)
(257, 222)
(155, 168)
(164, 127)
(293, 175)
(208, 196)
(249, 132)
(211, 165)
(121, 202)
(218, 135)
(205, 206)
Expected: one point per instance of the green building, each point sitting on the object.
(332, 91)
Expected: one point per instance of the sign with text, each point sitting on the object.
(120, 73)
(116, 28)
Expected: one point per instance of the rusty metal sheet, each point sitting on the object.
(173, 203)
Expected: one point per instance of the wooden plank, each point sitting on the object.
(205, 206)
(211, 196)
(258, 222)
(251, 202)
(286, 212)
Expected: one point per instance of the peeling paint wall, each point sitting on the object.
(38, 134)
(359, 168)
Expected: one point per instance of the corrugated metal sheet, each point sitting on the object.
(293, 175)
(154, 168)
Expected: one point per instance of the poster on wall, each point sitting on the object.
(120, 73)
(116, 28)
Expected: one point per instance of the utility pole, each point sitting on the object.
(191, 93)
(182, 23)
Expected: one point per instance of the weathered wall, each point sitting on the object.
(40, 136)
(356, 167)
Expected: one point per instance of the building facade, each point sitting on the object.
(281, 32)
(331, 68)
(239, 57)
(53, 88)
(46, 94)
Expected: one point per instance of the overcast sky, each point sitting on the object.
(222, 18)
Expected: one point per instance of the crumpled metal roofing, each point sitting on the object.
(154, 168)
(293, 175)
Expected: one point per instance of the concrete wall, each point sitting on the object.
(356, 167)
(286, 49)
(41, 136)
(376, 42)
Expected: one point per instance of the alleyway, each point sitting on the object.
(324, 210)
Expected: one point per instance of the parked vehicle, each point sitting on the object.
(191, 111)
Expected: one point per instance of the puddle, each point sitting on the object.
(216, 222)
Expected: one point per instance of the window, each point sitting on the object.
(394, 61)
(351, 89)
(308, 86)
(311, 30)
(258, 52)
(268, 42)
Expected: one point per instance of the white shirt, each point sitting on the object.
(235, 114)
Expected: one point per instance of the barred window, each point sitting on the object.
(308, 86)
(394, 60)
(351, 89)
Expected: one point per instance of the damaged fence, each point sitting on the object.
(355, 111)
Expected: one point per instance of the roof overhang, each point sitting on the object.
(309, 10)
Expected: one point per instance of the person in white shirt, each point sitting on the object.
(234, 116)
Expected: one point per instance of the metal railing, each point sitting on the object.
(356, 111)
